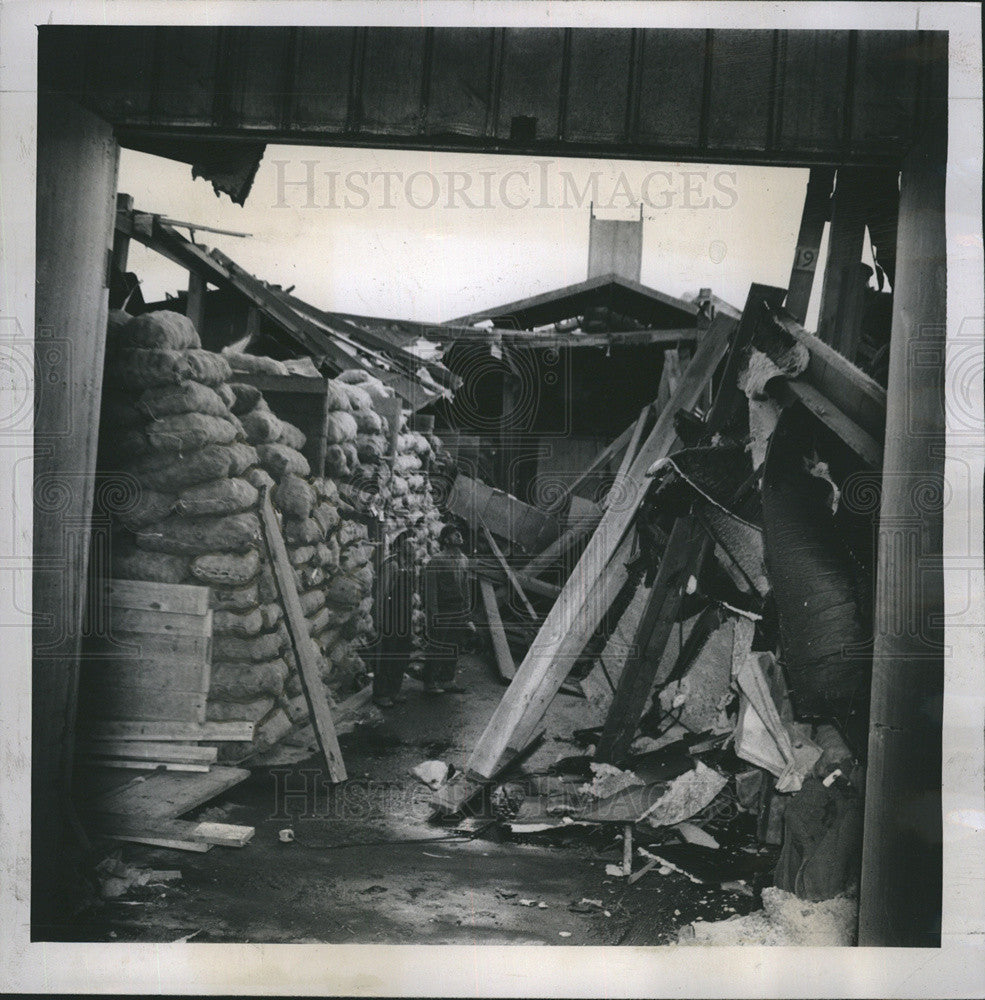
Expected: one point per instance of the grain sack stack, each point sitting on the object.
(309, 521)
(169, 421)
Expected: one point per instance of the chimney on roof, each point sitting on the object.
(615, 246)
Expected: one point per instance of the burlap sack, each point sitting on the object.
(306, 532)
(254, 364)
(336, 462)
(189, 397)
(368, 421)
(340, 427)
(247, 681)
(226, 569)
(173, 473)
(294, 498)
(292, 436)
(327, 516)
(257, 649)
(247, 398)
(278, 460)
(137, 368)
(205, 535)
(151, 506)
(130, 563)
(271, 614)
(232, 598)
(208, 368)
(238, 711)
(312, 601)
(261, 426)
(336, 398)
(221, 496)
(246, 624)
(259, 479)
(165, 329)
(186, 432)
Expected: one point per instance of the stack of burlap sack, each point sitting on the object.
(170, 420)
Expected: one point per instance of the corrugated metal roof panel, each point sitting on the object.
(760, 96)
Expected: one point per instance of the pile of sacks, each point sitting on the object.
(170, 421)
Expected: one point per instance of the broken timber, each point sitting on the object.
(573, 618)
(304, 649)
(510, 575)
(504, 658)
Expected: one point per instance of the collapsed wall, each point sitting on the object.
(201, 449)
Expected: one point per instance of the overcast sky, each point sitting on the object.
(432, 236)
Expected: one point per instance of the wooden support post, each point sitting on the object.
(817, 209)
(845, 240)
(76, 190)
(627, 849)
(574, 617)
(195, 306)
(121, 241)
(304, 648)
(901, 888)
(501, 647)
(556, 551)
(686, 550)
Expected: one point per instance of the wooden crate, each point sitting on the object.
(154, 661)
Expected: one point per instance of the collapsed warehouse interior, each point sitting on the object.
(687, 696)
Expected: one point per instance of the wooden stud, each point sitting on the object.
(501, 647)
(195, 306)
(507, 569)
(304, 648)
(683, 557)
(817, 208)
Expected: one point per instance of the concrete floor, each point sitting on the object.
(367, 867)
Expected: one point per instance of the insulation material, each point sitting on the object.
(783, 920)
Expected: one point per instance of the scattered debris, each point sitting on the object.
(286, 836)
(687, 795)
(784, 920)
(564, 934)
(117, 878)
(615, 871)
(608, 780)
(695, 835)
(433, 773)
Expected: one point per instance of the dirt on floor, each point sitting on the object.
(367, 864)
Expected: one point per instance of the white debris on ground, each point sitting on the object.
(686, 796)
(784, 920)
(608, 780)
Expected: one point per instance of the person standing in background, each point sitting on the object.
(447, 607)
(395, 609)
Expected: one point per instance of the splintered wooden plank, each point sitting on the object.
(627, 459)
(165, 796)
(198, 836)
(304, 649)
(686, 550)
(215, 732)
(504, 658)
(149, 750)
(146, 622)
(510, 575)
(177, 598)
(574, 618)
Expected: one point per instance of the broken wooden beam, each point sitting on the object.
(573, 618)
(501, 647)
(507, 569)
(305, 650)
(686, 550)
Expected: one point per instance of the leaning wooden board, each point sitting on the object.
(304, 649)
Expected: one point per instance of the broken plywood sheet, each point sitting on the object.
(698, 699)
(687, 795)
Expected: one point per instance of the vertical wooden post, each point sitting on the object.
(817, 203)
(902, 857)
(195, 307)
(121, 242)
(77, 165)
(845, 241)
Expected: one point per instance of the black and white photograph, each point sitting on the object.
(492, 476)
